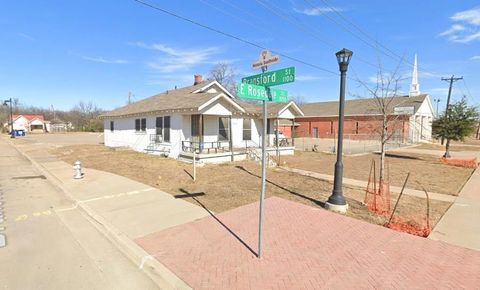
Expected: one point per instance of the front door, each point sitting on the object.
(315, 132)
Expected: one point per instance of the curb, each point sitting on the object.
(156, 271)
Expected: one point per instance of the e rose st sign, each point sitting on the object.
(260, 93)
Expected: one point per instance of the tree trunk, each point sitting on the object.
(447, 149)
(381, 176)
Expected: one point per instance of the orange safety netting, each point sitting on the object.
(415, 225)
(469, 163)
(377, 196)
(401, 218)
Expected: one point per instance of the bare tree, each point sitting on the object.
(384, 99)
(225, 74)
(84, 116)
(299, 100)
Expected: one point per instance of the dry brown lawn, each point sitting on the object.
(425, 170)
(228, 186)
(453, 147)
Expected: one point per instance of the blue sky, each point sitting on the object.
(60, 52)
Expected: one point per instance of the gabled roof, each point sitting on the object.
(359, 107)
(273, 109)
(30, 118)
(192, 98)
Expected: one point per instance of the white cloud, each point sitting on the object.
(453, 29)
(103, 60)
(315, 11)
(26, 36)
(475, 57)
(177, 59)
(471, 16)
(466, 26)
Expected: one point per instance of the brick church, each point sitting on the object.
(412, 114)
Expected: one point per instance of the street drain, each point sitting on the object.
(30, 177)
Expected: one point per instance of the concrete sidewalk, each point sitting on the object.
(121, 208)
(461, 223)
(363, 184)
(439, 153)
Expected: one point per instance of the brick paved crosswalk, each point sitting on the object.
(307, 248)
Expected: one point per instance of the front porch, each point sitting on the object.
(219, 152)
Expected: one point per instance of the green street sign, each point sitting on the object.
(272, 78)
(254, 92)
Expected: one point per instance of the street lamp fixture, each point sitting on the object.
(12, 133)
(336, 201)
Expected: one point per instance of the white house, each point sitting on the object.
(204, 118)
(29, 123)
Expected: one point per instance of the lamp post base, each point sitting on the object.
(336, 207)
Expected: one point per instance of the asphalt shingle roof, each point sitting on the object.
(182, 98)
(359, 107)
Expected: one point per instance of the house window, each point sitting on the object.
(247, 129)
(195, 126)
(159, 126)
(315, 132)
(166, 129)
(137, 125)
(356, 128)
(331, 127)
(112, 126)
(141, 125)
(162, 125)
(223, 129)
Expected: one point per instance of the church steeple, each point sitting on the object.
(414, 87)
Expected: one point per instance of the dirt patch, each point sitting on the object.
(228, 186)
(426, 171)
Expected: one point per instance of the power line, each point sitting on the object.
(232, 15)
(468, 91)
(305, 28)
(232, 36)
(392, 54)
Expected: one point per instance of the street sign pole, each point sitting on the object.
(264, 173)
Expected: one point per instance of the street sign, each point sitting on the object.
(272, 78)
(254, 92)
(265, 59)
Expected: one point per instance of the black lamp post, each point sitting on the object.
(12, 133)
(336, 201)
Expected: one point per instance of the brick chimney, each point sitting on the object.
(197, 79)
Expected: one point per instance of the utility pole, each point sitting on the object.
(129, 98)
(451, 79)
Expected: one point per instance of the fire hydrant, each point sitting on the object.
(77, 170)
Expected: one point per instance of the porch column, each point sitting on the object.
(200, 138)
(276, 137)
(230, 137)
(293, 132)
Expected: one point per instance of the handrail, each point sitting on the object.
(190, 146)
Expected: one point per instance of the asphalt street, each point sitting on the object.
(49, 244)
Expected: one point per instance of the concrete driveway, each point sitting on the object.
(64, 139)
